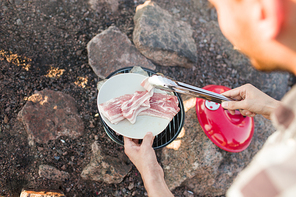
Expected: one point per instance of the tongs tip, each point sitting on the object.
(159, 81)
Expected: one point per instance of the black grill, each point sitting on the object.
(166, 136)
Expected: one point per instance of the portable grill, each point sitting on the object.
(169, 134)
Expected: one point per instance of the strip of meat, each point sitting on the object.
(145, 84)
(129, 106)
(112, 108)
(138, 103)
(163, 106)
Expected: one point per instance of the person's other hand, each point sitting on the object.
(142, 155)
(144, 158)
(250, 101)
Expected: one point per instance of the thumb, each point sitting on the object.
(148, 139)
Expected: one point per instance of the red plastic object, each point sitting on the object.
(232, 133)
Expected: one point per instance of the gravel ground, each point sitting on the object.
(43, 45)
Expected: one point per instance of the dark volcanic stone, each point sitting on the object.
(105, 168)
(163, 39)
(112, 50)
(52, 173)
(50, 114)
(99, 4)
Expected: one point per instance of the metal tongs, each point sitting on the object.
(160, 82)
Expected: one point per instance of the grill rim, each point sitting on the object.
(166, 133)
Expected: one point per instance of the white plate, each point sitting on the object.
(128, 83)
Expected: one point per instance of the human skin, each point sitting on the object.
(264, 30)
(144, 158)
(250, 101)
(270, 26)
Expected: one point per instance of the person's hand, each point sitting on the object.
(250, 101)
(142, 155)
(144, 158)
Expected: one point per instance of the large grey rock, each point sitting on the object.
(112, 50)
(194, 161)
(106, 168)
(50, 114)
(162, 38)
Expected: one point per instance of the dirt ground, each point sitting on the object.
(43, 45)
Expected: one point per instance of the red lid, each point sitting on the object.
(232, 133)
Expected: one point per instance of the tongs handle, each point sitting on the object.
(164, 83)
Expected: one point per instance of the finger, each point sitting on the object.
(251, 115)
(232, 112)
(247, 113)
(148, 139)
(233, 105)
(130, 148)
(243, 112)
(234, 93)
(235, 98)
(128, 143)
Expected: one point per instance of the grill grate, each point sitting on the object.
(166, 136)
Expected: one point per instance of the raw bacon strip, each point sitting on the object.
(139, 102)
(163, 106)
(129, 106)
(145, 84)
(112, 108)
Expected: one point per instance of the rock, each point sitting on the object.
(131, 186)
(19, 22)
(161, 38)
(50, 114)
(6, 119)
(52, 173)
(139, 70)
(91, 125)
(109, 4)
(41, 193)
(112, 50)
(192, 160)
(106, 168)
(100, 84)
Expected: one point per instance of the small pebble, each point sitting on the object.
(131, 186)
(63, 167)
(40, 148)
(190, 192)
(91, 125)
(96, 137)
(219, 57)
(6, 119)
(19, 22)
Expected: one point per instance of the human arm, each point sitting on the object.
(250, 101)
(144, 158)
